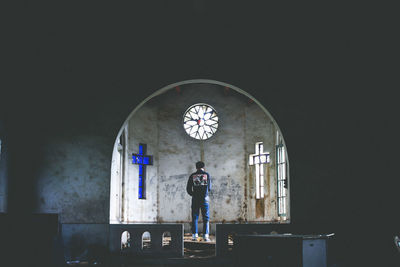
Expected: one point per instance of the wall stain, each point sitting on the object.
(260, 208)
(170, 150)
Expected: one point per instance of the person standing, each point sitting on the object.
(198, 186)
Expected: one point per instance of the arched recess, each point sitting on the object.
(244, 189)
(126, 240)
(166, 240)
(146, 241)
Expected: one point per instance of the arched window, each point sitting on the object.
(125, 240)
(230, 241)
(282, 177)
(166, 240)
(146, 240)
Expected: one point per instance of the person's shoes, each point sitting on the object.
(194, 237)
(206, 238)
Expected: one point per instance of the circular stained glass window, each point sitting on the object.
(200, 121)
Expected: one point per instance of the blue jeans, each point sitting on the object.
(205, 212)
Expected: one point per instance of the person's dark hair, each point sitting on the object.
(199, 165)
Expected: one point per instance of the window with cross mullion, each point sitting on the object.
(259, 159)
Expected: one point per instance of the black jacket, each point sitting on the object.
(198, 185)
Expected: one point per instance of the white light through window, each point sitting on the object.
(259, 159)
(282, 177)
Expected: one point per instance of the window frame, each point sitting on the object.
(282, 191)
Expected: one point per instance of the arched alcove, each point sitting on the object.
(230, 241)
(154, 155)
(146, 240)
(166, 240)
(126, 240)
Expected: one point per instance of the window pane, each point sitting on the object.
(251, 160)
(207, 129)
(257, 182)
(201, 132)
(191, 122)
(194, 115)
(207, 116)
(194, 129)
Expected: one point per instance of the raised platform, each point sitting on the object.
(147, 240)
(225, 234)
(200, 248)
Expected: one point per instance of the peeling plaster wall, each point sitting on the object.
(158, 124)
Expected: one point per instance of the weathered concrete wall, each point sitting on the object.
(75, 180)
(142, 130)
(159, 125)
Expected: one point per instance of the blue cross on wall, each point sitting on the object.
(142, 160)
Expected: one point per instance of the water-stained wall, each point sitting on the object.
(158, 124)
